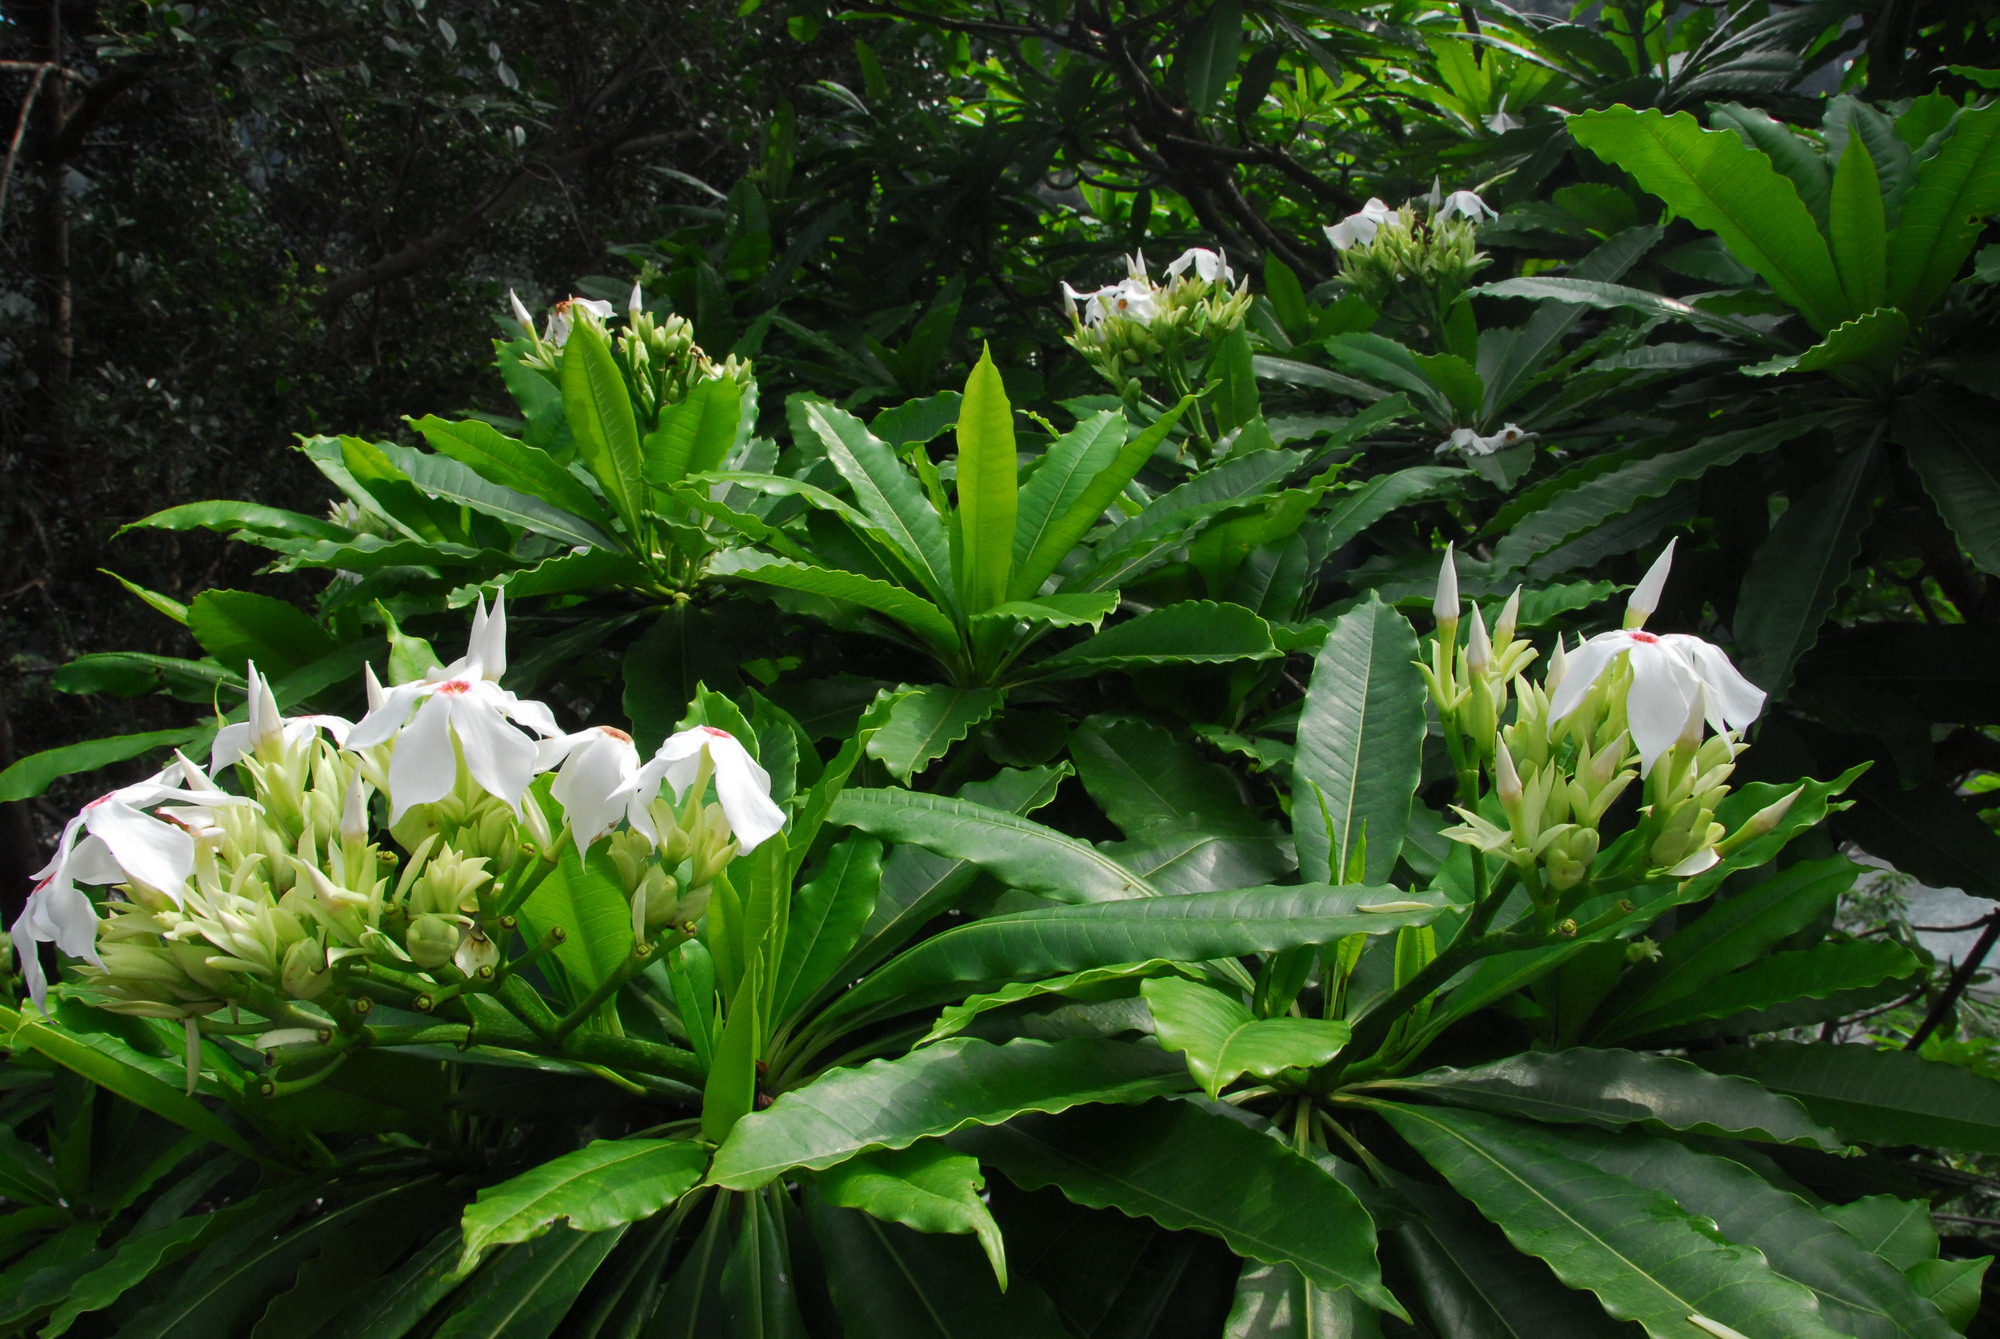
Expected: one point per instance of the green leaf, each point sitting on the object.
(1615, 1089)
(1945, 212)
(236, 626)
(1186, 632)
(1346, 514)
(1648, 1260)
(1824, 972)
(826, 921)
(1082, 610)
(589, 903)
(926, 1187)
(1223, 1040)
(888, 495)
(731, 1091)
(1184, 1166)
(1963, 480)
(152, 599)
(138, 1256)
(605, 1183)
(1900, 1231)
(917, 421)
(891, 1283)
(1360, 746)
(1207, 56)
(247, 518)
(1527, 349)
(696, 435)
(1874, 1097)
(30, 776)
(526, 1292)
(924, 724)
(1021, 853)
(988, 488)
(1858, 1293)
(600, 416)
(1196, 927)
(1118, 981)
(1799, 570)
(394, 1306)
(759, 1292)
(1857, 227)
(521, 469)
(914, 612)
(1788, 152)
(1871, 340)
(1722, 184)
(1954, 1287)
(1619, 297)
(891, 1104)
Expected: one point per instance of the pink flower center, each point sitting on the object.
(719, 734)
(1646, 637)
(614, 732)
(455, 686)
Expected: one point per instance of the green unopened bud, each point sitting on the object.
(431, 940)
(690, 909)
(305, 974)
(449, 882)
(657, 903)
(1445, 604)
(1510, 616)
(1763, 821)
(1568, 858)
(1478, 647)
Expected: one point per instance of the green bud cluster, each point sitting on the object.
(1415, 267)
(1158, 328)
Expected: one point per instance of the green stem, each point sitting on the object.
(522, 1001)
(635, 962)
(1373, 1029)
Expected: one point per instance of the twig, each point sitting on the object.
(21, 127)
(1961, 977)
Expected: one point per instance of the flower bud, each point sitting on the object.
(1763, 821)
(305, 973)
(354, 813)
(1568, 858)
(1478, 648)
(1445, 605)
(1507, 783)
(1646, 595)
(1510, 616)
(431, 940)
(521, 313)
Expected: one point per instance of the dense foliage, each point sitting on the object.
(1311, 786)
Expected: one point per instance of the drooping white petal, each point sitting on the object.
(1733, 701)
(382, 723)
(592, 786)
(1466, 205)
(422, 768)
(151, 851)
(1581, 669)
(1657, 706)
(744, 791)
(500, 758)
(535, 715)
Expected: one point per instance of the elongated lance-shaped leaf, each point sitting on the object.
(1828, 971)
(731, 1090)
(924, 619)
(587, 901)
(891, 1104)
(925, 1186)
(1874, 1097)
(1647, 1260)
(925, 723)
(695, 435)
(1945, 212)
(759, 1297)
(1195, 927)
(1184, 1166)
(600, 417)
(1620, 1088)
(988, 488)
(529, 1290)
(890, 496)
(826, 920)
(1084, 470)
(1856, 227)
(1722, 184)
(1523, 355)
(1869, 342)
(1948, 448)
(1167, 522)
(1360, 748)
(1016, 850)
(512, 464)
(1607, 296)
(1198, 632)
(1859, 1292)
(600, 1185)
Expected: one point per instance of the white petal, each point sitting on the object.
(591, 787)
(90, 861)
(1581, 669)
(535, 715)
(267, 723)
(521, 312)
(1705, 858)
(70, 921)
(487, 647)
(1444, 604)
(500, 758)
(151, 851)
(744, 790)
(231, 742)
(1733, 701)
(1657, 708)
(376, 696)
(381, 724)
(1646, 595)
(678, 760)
(28, 962)
(637, 301)
(422, 768)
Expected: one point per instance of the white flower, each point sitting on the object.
(113, 840)
(557, 331)
(1673, 674)
(595, 787)
(1466, 205)
(1359, 229)
(267, 727)
(462, 701)
(1134, 299)
(741, 786)
(1503, 121)
(1210, 267)
(1470, 443)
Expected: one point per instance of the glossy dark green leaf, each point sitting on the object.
(443, 476)
(1184, 1166)
(697, 434)
(925, 1187)
(606, 1183)
(889, 495)
(527, 1290)
(919, 615)
(1799, 570)
(1945, 212)
(1189, 632)
(758, 1293)
(1223, 1040)
(1276, 1302)
(826, 920)
(1962, 479)
(1616, 1089)
(1207, 55)
(1874, 1097)
(925, 723)
(891, 1104)
(1360, 746)
(236, 626)
(515, 465)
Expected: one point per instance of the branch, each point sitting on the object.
(420, 253)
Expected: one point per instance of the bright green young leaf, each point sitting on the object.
(30, 776)
(152, 599)
(1648, 1260)
(925, 723)
(891, 1104)
(919, 615)
(1944, 215)
(731, 1091)
(514, 465)
(696, 435)
(603, 1184)
(1186, 1167)
(889, 495)
(1722, 184)
(237, 626)
(1856, 227)
(1223, 1040)
(1954, 1287)
(247, 519)
(826, 920)
(600, 415)
(589, 903)
(1053, 611)
(988, 488)
(1120, 980)
(926, 1187)
(1360, 746)
(1616, 1089)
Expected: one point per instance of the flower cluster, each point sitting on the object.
(1123, 325)
(662, 362)
(286, 890)
(1625, 706)
(1408, 264)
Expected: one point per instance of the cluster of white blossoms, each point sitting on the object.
(1666, 710)
(255, 899)
(1121, 325)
